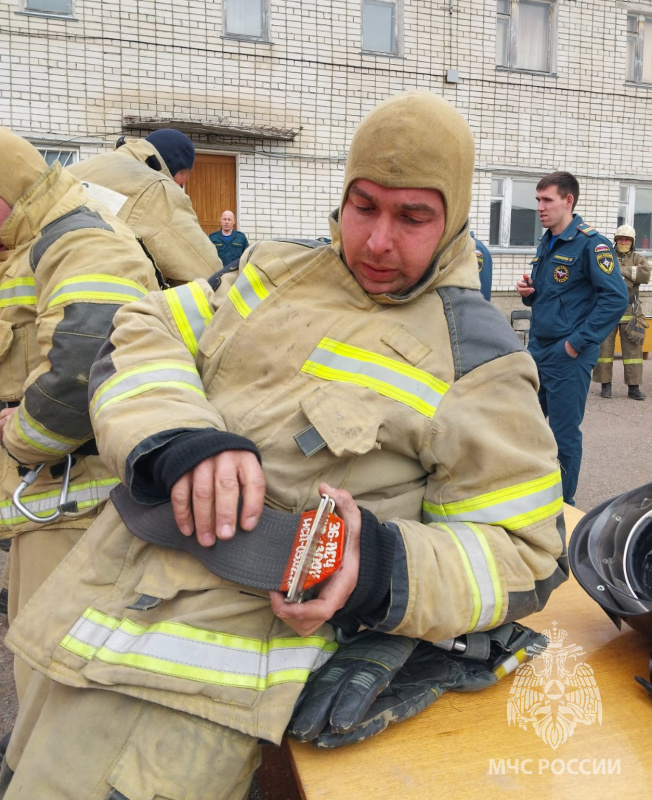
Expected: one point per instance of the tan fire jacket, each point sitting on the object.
(635, 270)
(156, 209)
(424, 409)
(68, 268)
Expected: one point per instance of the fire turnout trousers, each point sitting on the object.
(632, 359)
(91, 744)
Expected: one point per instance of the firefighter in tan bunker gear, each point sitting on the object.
(65, 267)
(635, 270)
(381, 376)
(140, 184)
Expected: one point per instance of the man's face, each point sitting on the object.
(624, 244)
(555, 211)
(389, 235)
(228, 221)
(5, 211)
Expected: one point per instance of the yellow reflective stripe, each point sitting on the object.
(336, 361)
(248, 291)
(513, 508)
(182, 651)
(105, 288)
(494, 575)
(34, 434)
(17, 292)
(144, 379)
(605, 361)
(626, 317)
(190, 319)
(510, 664)
(473, 585)
(632, 360)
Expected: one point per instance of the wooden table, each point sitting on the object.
(459, 746)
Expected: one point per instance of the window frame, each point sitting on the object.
(245, 37)
(629, 204)
(512, 37)
(44, 148)
(39, 12)
(639, 47)
(397, 32)
(505, 219)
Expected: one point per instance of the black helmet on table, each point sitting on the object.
(610, 554)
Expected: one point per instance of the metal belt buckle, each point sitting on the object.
(312, 542)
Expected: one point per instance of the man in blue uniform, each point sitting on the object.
(485, 266)
(230, 243)
(577, 296)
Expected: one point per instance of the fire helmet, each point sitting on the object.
(610, 554)
(626, 230)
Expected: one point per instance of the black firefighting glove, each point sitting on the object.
(427, 673)
(337, 696)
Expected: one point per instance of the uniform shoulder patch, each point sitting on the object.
(606, 262)
(587, 230)
(603, 248)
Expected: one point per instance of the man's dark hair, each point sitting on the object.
(565, 182)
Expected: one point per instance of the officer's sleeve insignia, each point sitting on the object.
(606, 262)
(479, 255)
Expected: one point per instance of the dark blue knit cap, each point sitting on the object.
(175, 147)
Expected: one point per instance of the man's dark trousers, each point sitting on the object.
(563, 391)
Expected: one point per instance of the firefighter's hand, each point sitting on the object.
(525, 287)
(305, 618)
(205, 500)
(5, 414)
(570, 350)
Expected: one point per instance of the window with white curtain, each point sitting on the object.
(635, 208)
(513, 220)
(639, 48)
(246, 18)
(62, 8)
(380, 25)
(524, 34)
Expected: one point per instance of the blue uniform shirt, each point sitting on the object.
(229, 248)
(485, 267)
(579, 294)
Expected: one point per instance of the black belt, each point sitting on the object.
(9, 404)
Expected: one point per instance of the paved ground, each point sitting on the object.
(617, 457)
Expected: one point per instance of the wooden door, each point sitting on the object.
(212, 189)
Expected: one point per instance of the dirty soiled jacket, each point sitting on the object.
(154, 207)
(69, 266)
(425, 409)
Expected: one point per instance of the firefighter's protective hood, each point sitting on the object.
(21, 165)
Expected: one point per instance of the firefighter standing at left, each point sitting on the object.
(65, 267)
(635, 270)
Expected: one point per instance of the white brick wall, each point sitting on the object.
(77, 79)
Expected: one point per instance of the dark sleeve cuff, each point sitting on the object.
(368, 604)
(154, 473)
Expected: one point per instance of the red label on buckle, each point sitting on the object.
(328, 556)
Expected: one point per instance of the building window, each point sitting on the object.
(524, 34)
(62, 8)
(639, 48)
(514, 221)
(246, 18)
(380, 26)
(635, 208)
(52, 154)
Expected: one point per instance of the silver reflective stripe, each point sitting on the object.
(37, 437)
(146, 379)
(481, 571)
(248, 291)
(196, 654)
(513, 511)
(86, 495)
(17, 292)
(191, 312)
